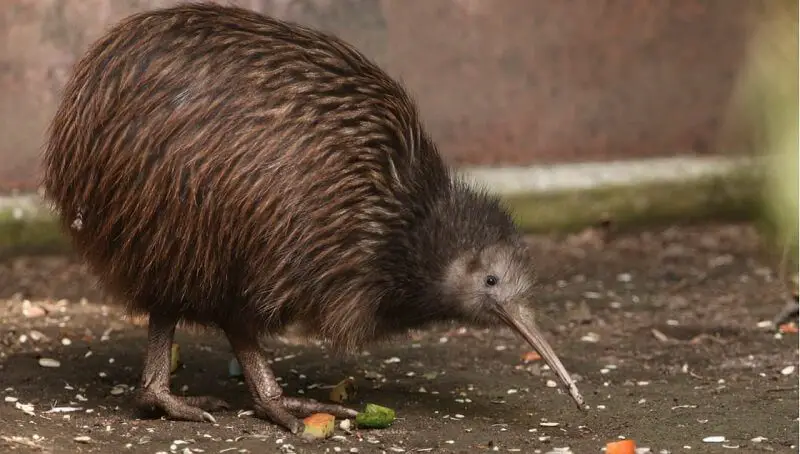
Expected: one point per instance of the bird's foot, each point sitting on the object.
(154, 395)
(287, 411)
(189, 408)
(269, 402)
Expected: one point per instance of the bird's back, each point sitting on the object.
(222, 162)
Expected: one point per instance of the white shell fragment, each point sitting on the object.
(49, 362)
(715, 439)
(591, 338)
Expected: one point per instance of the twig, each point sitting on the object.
(787, 388)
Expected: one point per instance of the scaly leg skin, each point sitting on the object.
(269, 402)
(154, 393)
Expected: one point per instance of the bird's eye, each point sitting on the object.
(491, 280)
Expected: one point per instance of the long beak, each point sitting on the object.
(528, 330)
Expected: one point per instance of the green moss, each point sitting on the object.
(734, 197)
(30, 235)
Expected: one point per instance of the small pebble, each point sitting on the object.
(551, 384)
(49, 362)
(392, 360)
(591, 337)
(83, 439)
(788, 370)
(345, 425)
(117, 390)
(548, 424)
(758, 439)
(449, 442)
(10, 399)
(66, 341)
(624, 277)
(31, 311)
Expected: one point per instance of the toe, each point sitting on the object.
(207, 403)
(207, 417)
(172, 406)
(305, 407)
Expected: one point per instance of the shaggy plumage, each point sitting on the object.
(223, 168)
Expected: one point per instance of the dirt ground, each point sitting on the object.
(661, 327)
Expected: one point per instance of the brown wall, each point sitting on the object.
(498, 81)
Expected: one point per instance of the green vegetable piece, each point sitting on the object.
(175, 358)
(375, 416)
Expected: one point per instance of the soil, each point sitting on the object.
(661, 327)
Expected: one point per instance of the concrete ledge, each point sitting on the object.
(544, 198)
(628, 193)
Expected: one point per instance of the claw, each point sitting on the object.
(207, 416)
(298, 428)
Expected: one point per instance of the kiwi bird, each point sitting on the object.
(219, 167)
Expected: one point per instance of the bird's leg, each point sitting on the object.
(268, 398)
(154, 393)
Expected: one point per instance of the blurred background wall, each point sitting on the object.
(499, 82)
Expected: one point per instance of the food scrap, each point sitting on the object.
(788, 328)
(319, 425)
(175, 358)
(621, 447)
(531, 356)
(344, 391)
(375, 416)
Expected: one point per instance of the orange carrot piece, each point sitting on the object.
(621, 447)
(531, 356)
